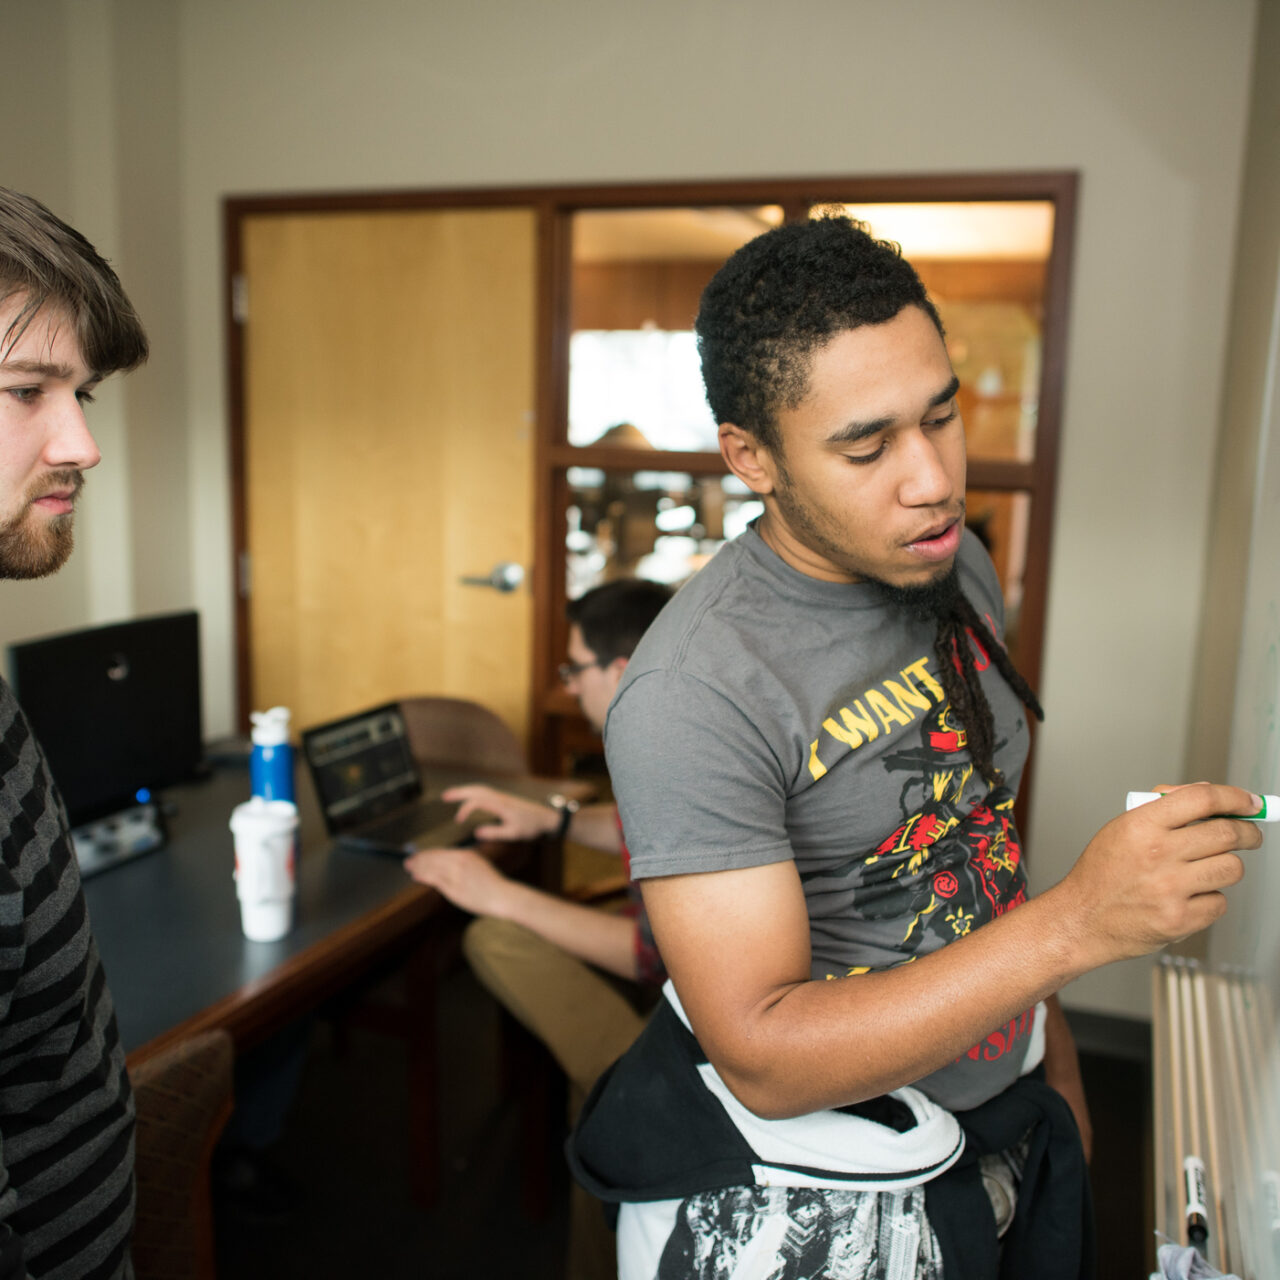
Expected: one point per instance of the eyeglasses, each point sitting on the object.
(572, 670)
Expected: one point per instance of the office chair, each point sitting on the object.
(184, 1097)
(456, 733)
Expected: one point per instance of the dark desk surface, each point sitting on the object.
(168, 924)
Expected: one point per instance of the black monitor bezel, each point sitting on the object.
(83, 728)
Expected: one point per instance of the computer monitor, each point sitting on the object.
(116, 709)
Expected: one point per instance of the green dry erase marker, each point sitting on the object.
(1270, 811)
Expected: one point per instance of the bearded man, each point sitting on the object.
(66, 1111)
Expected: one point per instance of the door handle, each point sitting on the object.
(505, 576)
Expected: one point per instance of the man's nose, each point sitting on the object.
(928, 480)
(70, 443)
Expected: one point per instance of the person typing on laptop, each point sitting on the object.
(604, 626)
(539, 954)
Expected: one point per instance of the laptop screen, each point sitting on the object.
(362, 766)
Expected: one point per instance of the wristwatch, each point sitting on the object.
(566, 808)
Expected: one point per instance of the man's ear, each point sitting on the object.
(614, 671)
(747, 458)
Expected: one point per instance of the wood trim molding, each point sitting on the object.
(233, 335)
(795, 195)
(999, 474)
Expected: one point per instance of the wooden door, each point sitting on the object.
(388, 453)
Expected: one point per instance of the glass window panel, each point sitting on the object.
(1002, 520)
(634, 375)
(667, 525)
(995, 351)
(955, 230)
(649, 524)
(640, 388)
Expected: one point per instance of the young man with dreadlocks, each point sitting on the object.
(860, 1066)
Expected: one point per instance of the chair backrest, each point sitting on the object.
(455, 732)
(184, 1096)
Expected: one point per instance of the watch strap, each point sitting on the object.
(566, 808)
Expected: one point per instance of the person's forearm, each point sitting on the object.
(811, 1045)
(596, 825)
(598, 937)
(908, 1022)
(736, 944)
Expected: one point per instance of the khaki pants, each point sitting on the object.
(586, 1024)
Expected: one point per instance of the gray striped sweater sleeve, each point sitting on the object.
(66, 1110)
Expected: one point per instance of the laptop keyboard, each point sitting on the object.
(403, 828)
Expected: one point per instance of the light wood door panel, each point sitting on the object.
(388, 454)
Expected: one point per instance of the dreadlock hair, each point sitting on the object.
(959, 678)
(774, 304)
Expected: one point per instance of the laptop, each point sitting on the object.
(370, 789)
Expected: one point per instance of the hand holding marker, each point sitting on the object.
(1195, 1196)
(1270, 811)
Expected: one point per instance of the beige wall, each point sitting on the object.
(1147, 98)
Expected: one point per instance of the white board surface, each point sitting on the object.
(1250, 934)
(1248, 938)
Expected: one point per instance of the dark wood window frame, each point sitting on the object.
(555, 208)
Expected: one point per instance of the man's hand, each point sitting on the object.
(468, 879)
(516, 817)
(1155, 875)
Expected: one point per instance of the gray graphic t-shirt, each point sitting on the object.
(769, 716)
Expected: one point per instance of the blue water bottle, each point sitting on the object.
(271, 762)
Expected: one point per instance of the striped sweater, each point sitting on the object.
(66, 1110)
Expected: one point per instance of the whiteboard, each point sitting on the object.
(1246, 942)
(1250, 934)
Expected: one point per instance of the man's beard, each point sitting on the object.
(31, 547)
(927, 600)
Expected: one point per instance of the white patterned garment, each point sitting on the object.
(780, 1233)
